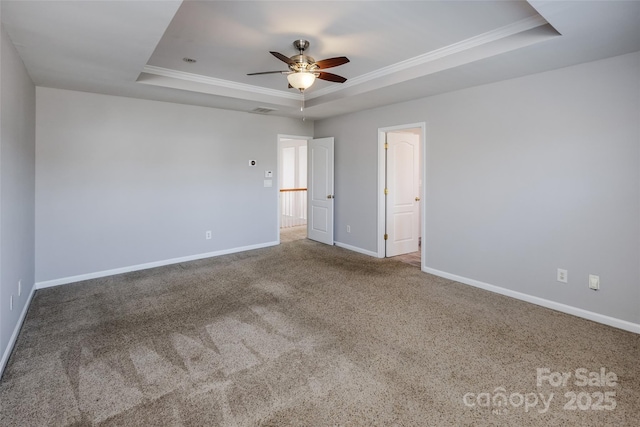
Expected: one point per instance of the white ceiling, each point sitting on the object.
(398, 50)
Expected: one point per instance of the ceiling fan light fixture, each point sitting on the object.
(301, 80)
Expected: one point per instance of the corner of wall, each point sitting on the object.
(17, 194)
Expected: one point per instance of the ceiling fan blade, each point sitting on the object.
(331, 77)
(281, 57)
(267, 72)
(332, 62)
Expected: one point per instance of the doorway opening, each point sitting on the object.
(292, 186)
(401, 150)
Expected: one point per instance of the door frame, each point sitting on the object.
(277, 177)
(382, 132)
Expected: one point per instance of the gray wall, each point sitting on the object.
(522, 177)
(122, 182)
(17, 176)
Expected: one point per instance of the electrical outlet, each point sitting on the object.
(594, 282)
(207, 235)
(19, 287)
(348, 229)
(563, 275)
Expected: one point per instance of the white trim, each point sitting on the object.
(211, 81)
(105, 273)
(380, 192)
(356, 249)
(423, 196)
(434, 55)
(553, 305)
(16, 332)
(381, 176)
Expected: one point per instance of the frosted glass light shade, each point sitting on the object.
(302, 80)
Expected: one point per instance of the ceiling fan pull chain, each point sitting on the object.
(302, 106)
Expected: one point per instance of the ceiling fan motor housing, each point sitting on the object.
(302, 63)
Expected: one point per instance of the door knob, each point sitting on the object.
(330, 196)
(417, 199)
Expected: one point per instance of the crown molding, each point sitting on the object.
(434, 55)
(212, 81)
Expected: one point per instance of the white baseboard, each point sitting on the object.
(356, 249)
(113, 272)
(579, 312)
(16, 332)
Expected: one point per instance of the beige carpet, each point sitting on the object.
(413, 258)
(293, 233)
(304, 334)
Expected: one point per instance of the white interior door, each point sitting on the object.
(320, 190)
(403, 198)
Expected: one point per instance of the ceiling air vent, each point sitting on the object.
(263, 110)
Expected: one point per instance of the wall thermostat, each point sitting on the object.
(252, 162)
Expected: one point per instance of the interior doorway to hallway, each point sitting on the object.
(292, 185)
(400, 203)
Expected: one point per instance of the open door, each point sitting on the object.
(320, 190)
(403, 198)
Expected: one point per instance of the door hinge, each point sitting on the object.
(386, 191)
(386, 237)
(386, 146)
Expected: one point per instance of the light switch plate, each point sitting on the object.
(268, 183)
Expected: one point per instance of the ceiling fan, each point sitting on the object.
(303, 69)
